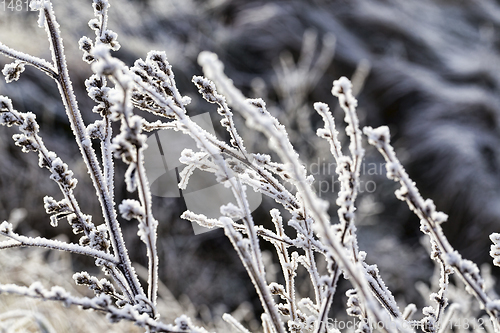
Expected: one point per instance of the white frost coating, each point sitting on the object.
(29, 126)
(209, 93)
(205, 141)
(495, 238)
(384, 294)
(241, 246)
(493, 305)
(430, 225)
(39, 5)
(201, 219)
(106, 64)
(231, 210)
(153, 83)
(214, 223)
(102, 52)
(6, 229)
(5, 104)
(377, 136)
(129, 145)
(57, 209)
(392, 170)
(101, 303)
(100, 7)
(193, 161)
(341, 86)
(255, 113)
(236, 324)
(78, 127)
(130, 208)
(409, 311)
(348, 169)
(13, 71)
(97, 130)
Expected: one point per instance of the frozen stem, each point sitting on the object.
(430, 221)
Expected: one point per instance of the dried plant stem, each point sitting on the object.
(21, 241)
(88, 154)
(145, 196)
(256, 277)
(192, 129)
(315, 207)
(430, 220)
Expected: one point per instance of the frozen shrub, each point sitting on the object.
(315, 243)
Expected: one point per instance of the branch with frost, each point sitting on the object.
(430, 224)
(30, 140)
(348, 169)
(236, 324)
(103, 303)
(96, 238)
(266, 234)
(257, 117)
(241, 246)
(129, 145)
(433, 315)
(356, 308)
(262, 181)
(347, 195)
(48, 21)
(150, 85)
(97, 89)
(88, 152)
(495, 248)
(21, 241)
(169, 103)
(159, 125)
(14, 70)
(289, 269)
(207, 89)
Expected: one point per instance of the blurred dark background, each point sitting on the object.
(429, 69)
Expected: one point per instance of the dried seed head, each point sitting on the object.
(13, 71)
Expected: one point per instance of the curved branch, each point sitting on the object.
(36, 62)
(78, 127)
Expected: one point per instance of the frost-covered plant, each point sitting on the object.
(150, 86)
